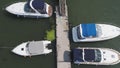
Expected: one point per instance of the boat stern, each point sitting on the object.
(46, 50)
(49, 10)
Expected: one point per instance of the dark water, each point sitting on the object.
(95, 11)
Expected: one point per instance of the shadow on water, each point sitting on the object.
(66, 56)
(54, 52)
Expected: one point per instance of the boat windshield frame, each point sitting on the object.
(79, 33)
(27, 8)
(98, 55)
(98, 30)
(27, 46)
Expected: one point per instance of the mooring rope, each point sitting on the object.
(6, 47)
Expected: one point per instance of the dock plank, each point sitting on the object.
(62, 37)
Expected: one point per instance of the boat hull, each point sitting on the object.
(107, 32)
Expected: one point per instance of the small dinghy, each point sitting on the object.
(32, 48)
(94, 32)
(95, 56)
(31, 8)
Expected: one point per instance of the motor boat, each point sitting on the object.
(94, 32)
(95, 56)
(32, 48)
(31, 8)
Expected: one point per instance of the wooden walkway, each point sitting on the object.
(63, 8)
(62, 38)
(63, 45)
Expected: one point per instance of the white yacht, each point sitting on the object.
(31, 8)
(95, 56)
(32, 48)
(94, 32)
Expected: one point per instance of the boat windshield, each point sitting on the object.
(98, 29)
(78, 33)
(97, 55)
(27, 45)
(27, 8)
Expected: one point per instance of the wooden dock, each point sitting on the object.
(62, 36)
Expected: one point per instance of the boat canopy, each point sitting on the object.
(36, 47)
(88, 30)
(83, 55)
(77, 55)
(89, 55)
(37, 6)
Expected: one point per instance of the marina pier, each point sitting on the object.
(62, 36)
